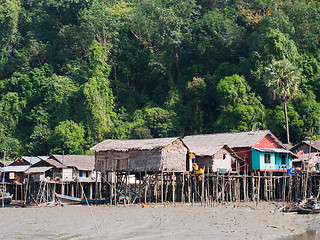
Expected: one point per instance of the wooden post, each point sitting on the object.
(217, 186)
(16, 192)
(202, 186)
(195, 187)
(245, 187)
(129, 186)
(258, 189)
(156, 188)
(115, 189)
(173, 187)
(162, 180)
(145, 188)
(90, 190)
(54, 191)
(189, 188)
(230, 190)
(223, 188)
(140, 181)
(182, 191)
(62, 188)
(166, 188)
(21, 192)
(208, 185)
(126, 187)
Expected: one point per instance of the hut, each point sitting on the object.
(46, 169)
(142, 155)
(219, 158)
(16, 170)
(308, 153)
(261, 149)
(78, 168)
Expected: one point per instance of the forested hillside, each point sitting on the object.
(75, 72)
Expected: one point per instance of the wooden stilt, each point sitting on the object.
(145, 188)
(182, 189)
(140, 182)
(173, 187)
(162, 181)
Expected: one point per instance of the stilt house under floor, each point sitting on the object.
(142, 155)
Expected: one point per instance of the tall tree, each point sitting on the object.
(241, 109)
(282, 79)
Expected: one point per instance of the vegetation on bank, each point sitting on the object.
(75, 72)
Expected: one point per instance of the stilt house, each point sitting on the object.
(16, 170)
(78, 167)
(46, 169)
(139, 155)
(261, 150)
(308, 153)
(214, 158)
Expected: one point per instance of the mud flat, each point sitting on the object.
(157, 221)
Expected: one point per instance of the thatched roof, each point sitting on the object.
(81, 162)
(233, 139)
(133, 144)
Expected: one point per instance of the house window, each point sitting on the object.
(267, 158)
(283, 159)
(224, 156)
(87, 174)
(80, 173)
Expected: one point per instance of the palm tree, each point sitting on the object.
(282, 79)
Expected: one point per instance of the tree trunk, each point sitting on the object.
(287, 125)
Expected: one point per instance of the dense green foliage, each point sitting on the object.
(75, 72)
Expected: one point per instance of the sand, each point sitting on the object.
(222, 221)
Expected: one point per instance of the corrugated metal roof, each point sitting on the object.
(16, 168)
(31, 160)
(38, 169)
(314, 143)
(5, 163)
(275, 150)
(81, 162)
(213, 150)
(133, 144)
(200, 151)
(233, 139)
(54, 163)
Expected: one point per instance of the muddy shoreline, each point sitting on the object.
(157, 221)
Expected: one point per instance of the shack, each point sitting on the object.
(46, 170)
(308, 153)
(78, 168)
(15, 172)
(142, 155)
(215, 158)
